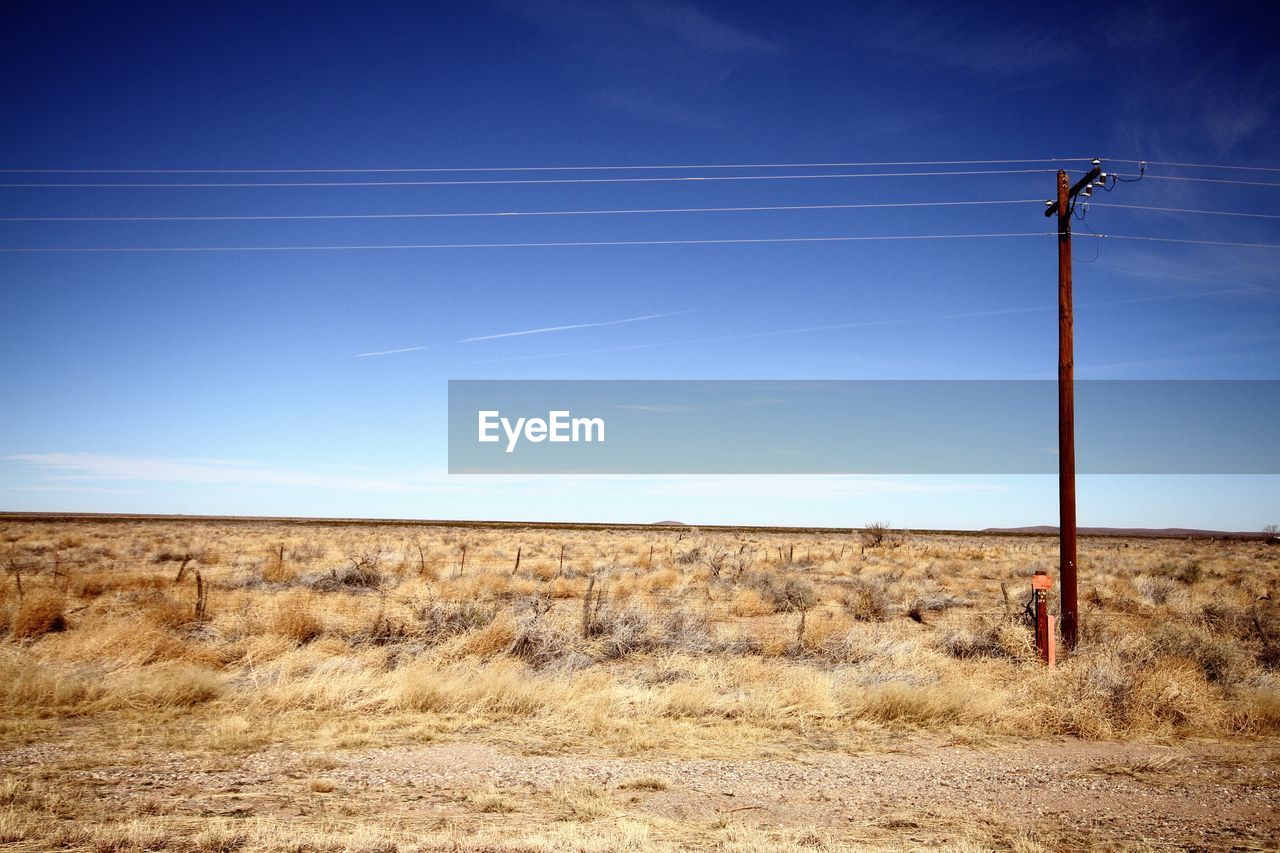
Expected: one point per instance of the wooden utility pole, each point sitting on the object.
(1066, 404)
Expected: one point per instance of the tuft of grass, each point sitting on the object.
(39, 615)
(490, 801)
(296, 621)
(644, 783)
(581, 802)
(163, 686)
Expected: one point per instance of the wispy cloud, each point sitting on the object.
(690, 25)
(621, 30)
(92, 466)
(1219, 68)
(658, 109)
(659, 61)
(60, 470)
(567, 328)
(944, 35)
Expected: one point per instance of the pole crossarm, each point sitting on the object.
(1092, 175)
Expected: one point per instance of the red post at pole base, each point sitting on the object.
(1041, 583)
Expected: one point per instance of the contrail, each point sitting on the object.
(994, 312)
(388, 352)
(766, 334)
(546, 329)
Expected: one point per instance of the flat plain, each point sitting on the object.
(241, 684)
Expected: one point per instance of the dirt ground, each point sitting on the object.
(921, 792)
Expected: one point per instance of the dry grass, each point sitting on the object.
(1179, 639)
(732, 642)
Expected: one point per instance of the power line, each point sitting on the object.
(1151, 177)
(508, 182)
(421, 169)
(590, 243)
(566, 244)
(609, 212)
(1183, 210)
(1181, 240)
(607, 168)
(1196, 165)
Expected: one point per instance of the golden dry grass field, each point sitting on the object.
(251, 684)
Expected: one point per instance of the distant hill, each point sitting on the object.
(668, 524)
(1165, 532)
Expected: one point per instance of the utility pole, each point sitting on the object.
(1066, 402)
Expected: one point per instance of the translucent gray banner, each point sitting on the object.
(859, 427)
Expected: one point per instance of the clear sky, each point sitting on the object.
(269, 382)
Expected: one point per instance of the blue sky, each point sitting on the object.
(234, 382)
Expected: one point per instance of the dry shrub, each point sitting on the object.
(1220, 659)
(688, 557)
(687, 631)
(1224, 618)
(866, 601)
(1122, 689)
(784, 594)
(1183, 571)
(306, 552)
(1155, 590)
(620, 631)
(996, 639)
(354, 577)
(440, 620)
(39, 615)
(874, 534)
(541, 643)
